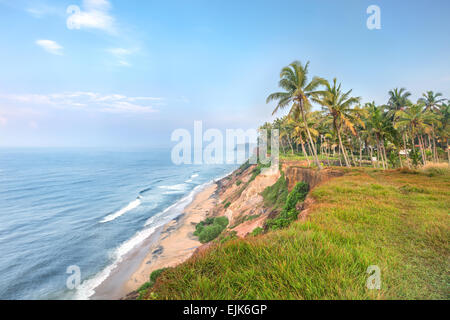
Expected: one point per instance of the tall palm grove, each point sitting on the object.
(347, 132)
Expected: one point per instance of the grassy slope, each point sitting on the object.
(395, 220)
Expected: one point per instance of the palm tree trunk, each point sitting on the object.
(316, 159)
(380, 152)
(282, 145)
(304, 150)
(371, 157)
(289, 141)
(353, 157)
(341, 146)
(424, 159)
(326, 153)
(385, 157)
(436, 157)
(404, 144)
(360, 152)
(448, 153)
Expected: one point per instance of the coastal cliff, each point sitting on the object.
(300, 233)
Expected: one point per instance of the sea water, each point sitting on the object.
(85, 208)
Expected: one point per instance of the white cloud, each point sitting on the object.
(89, 101)
(93, 15)
(41, 10)
(50, 46)
(121, 55)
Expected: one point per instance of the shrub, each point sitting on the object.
(289, 212)
(227, 204)
(238, 182)
(257, 231)
(210, 228)
(153, 277)
(210, 233)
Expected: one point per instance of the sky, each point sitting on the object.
(126, 73)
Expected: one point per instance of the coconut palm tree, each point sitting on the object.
(398, 100)
(379, 124)
(432, 101)
(338, 105)
(297, 93)
(444, 130)
(419, 120)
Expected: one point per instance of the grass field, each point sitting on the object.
(397, 220)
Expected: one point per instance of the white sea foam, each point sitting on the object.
(175, 187)
(87, 288)
(194, 175)
(132, 205)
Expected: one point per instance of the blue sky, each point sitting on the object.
(133, 70)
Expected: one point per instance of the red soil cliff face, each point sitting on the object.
(295, 172)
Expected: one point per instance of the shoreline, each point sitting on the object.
(169, 245)
(176, 243)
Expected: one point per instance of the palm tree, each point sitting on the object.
(379, 124)
(419, 120)
(298, 91)
(432, 101)
(338, 106)
(278, 124)
(444, 130)
(398, 100)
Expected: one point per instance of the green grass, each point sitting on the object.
(153, 276)
(366, 217)
(300, 157)
(276, 194)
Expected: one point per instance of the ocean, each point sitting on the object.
(85, 208)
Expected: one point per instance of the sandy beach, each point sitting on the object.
(177, 242)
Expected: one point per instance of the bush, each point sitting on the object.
(257, 231)
(238, 182)
(289, 212)
(210, 228)
(227, 204)
(153, 277)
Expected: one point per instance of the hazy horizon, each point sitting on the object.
(132, 72)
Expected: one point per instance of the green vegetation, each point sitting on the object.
(275, 195)
(396, 134)
(153, 276)
(360, 219)
(210, 228)
(226, 236)
(227, 204)
(244, 167)
(238, 183)
(257, 232)
(244, 218)
(289, 212)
